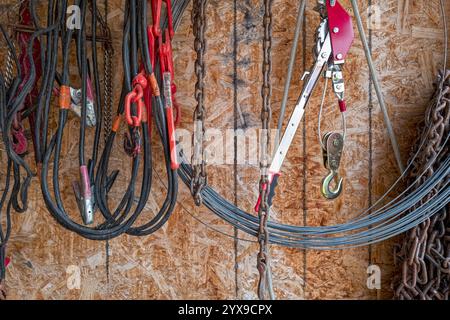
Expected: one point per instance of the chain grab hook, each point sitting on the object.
(333, 143)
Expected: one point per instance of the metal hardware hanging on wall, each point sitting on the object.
(141, 105)
(372, 225)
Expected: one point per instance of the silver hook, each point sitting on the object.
(327, 191)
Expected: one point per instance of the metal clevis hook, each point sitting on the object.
(327, 191)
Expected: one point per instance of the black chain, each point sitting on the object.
(266, 115)
(199, 180)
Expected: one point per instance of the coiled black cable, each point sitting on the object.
(12, 97)
(123, 217)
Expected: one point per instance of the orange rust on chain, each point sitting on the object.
(64, 97)
(116, 124)
(154, 85)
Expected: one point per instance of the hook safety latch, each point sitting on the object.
(333, 143)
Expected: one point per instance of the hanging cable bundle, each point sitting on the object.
(18, 96)
(91, 191)
(21, 96)
(95, 180)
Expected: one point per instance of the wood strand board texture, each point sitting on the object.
(186, 260)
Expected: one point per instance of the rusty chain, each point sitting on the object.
(107, 76)
(424, 255)
(200, 179)
(107, 85)
(9, 68)
(264, 185)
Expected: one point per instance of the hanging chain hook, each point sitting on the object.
(329, 192)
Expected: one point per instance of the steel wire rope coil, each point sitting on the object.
(385, 222)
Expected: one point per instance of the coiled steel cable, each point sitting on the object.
(372, 225)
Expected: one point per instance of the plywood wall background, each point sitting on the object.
(185, 259)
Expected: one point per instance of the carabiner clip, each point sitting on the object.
(333, 143)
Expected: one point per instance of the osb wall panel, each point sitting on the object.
(187, 260)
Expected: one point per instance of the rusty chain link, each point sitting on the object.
(264, 185)
(199, 180)
(9, 69)
(108, 98)
(107, 76)
(424, 255)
